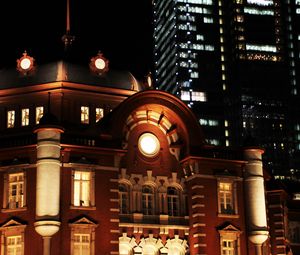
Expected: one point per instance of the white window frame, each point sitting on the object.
(12, 229)
(230, 234)
(173, 201)
(90, 203)
(220, 193)
(148, 200)
(83, 227)
(8, 204)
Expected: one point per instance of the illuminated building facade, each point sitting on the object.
(92, 162)
(235, 64)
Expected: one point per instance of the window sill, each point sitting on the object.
(9, 210)
(222, 215)
(87, 208)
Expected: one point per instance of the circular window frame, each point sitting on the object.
(156, 142)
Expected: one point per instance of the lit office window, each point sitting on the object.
(99, 114)
(185, 96)
(261, 2)
(25, 117)
(39, 112)
(11, 117)
(84, 114)
(198, 96)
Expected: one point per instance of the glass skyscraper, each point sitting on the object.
(236, 65)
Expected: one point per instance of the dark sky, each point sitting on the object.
(122, 30)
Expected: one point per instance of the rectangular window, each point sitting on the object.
(226, 198)
(185, 96)
(82, 244)
(84, 114)
(25, 117)
(99, 114)
(39, 112)
(228, 247)
(82, 188)
(11, 117)
(14, 245)
(15, 190)
(198, 96)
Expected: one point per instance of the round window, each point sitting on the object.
(148, 145)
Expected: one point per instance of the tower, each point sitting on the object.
(48, 179)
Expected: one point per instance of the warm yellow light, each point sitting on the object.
(148, 144)
(100, 63)
(25, 63)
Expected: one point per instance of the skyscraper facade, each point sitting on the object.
(235, 64)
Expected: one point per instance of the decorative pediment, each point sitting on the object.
(229, 228)
(12, 223)
(83, 222)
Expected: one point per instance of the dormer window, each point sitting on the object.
(39, 112)
(25, 117)
(11, 117)
(84, 115)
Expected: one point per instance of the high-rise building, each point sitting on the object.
(236, 65)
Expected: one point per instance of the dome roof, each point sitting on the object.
(68, 72)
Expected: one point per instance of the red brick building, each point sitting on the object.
(93, 162)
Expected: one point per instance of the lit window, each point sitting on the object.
(12, 236)
(226, 197)
(14, 245)
(39, 112)
(228, 247)
(173, 201)
(226, 133)
(15, 190)
(99, 114)
(11, 117)
(84, 114)
(83, 186)
(83, 237)
(82, 244)
(147, 200)
(185, 96)
(123, 199)
(198, 96)
(230, 240)
(226, 123)
(25, 117)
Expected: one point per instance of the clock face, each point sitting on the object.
(148, 144)
(100, 63)
(25, 63)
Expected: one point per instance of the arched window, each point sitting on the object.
(173, 201)
(147, 200)
(123, 199)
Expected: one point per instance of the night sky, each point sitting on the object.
(122, 30)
